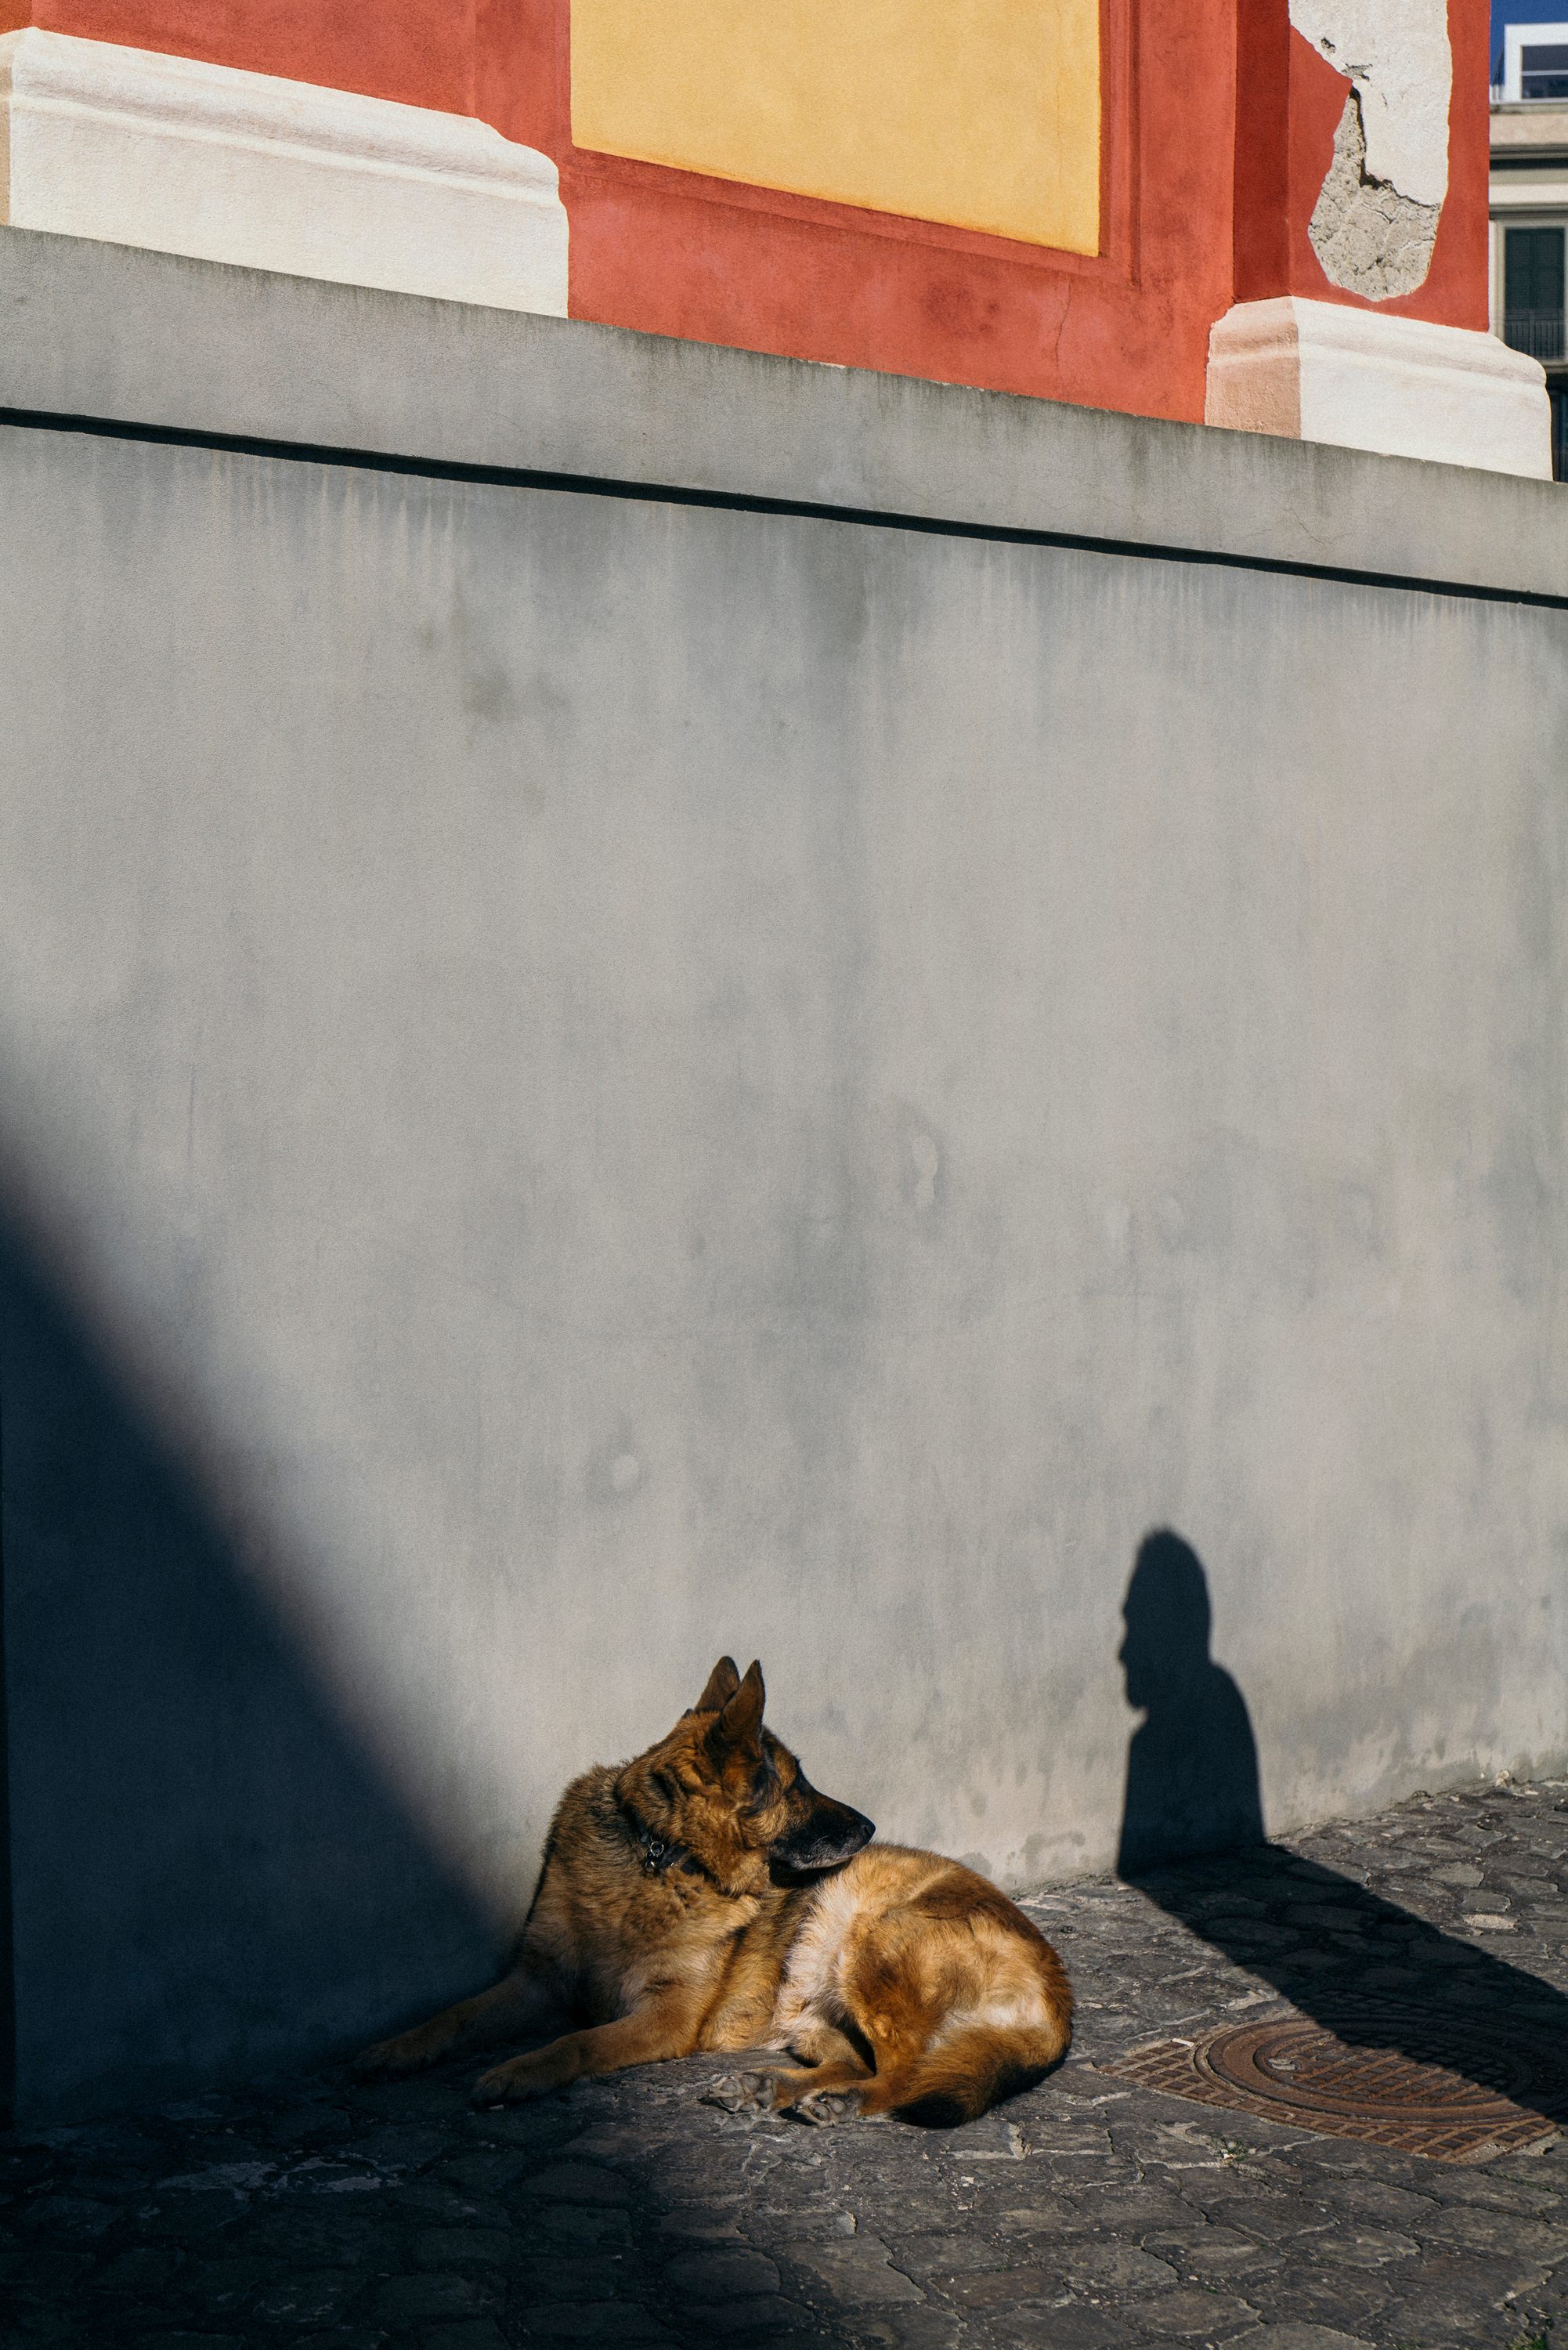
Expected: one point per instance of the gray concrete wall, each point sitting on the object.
(587, 1079)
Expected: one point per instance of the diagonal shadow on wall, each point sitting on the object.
(1192, 1839)
(208, 1876)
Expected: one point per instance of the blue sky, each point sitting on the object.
(1523, 12)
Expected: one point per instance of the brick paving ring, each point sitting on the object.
(1455, 2088)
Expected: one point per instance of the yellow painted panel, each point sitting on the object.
(984, 114)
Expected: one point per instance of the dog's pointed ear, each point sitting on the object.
(740, 1723)
(722, 1683)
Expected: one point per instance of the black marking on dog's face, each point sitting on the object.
(722, 1787)
(824, 1834)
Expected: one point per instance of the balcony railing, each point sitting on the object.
(1539, 332)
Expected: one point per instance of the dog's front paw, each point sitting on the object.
(394, 2059)
(742, 2092)
(511, 2084)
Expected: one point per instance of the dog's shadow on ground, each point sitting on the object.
(1192, 1840)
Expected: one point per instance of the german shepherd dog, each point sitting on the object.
(706, 1897)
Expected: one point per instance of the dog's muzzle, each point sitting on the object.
(832, 1834)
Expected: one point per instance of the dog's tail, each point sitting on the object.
(970, 2068)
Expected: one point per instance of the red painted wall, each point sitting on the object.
(675, 254)
(420, 51)
(1289, 102)
(1218, 124)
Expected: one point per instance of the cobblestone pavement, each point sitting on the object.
(1086, 2213)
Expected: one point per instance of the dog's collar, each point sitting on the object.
(658, 1857)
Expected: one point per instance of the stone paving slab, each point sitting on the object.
(1088, 2214)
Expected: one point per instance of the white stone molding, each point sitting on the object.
(1324, 372)
(133, 147)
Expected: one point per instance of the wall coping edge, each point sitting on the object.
(163, 344)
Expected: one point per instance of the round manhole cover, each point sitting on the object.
(1453, 2086)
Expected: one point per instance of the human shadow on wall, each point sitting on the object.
(1192, 1840)
(208, 1877)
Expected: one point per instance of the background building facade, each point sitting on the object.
(1529, 208)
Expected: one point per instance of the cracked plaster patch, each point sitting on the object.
(1376, 220)
(1369, 238)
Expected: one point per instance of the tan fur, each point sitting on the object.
(886, 1982)
(956, 1997)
